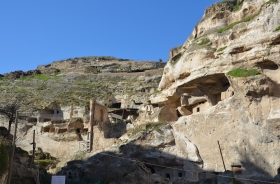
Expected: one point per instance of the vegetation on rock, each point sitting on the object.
(157, 91)
(240, 72)
(245, 19)
(221, 49)
(237, 7)
(203, 42)
(277, 29)
(271, 1)
(42, 77)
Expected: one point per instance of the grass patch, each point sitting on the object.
(271, 1)
(157, 91)
(204, 42)
(277, 29)
(245, 19)
(88, 84)
(237, 7)
(199, 37)
(42, 77)
(4, 159)
(240, 72)
(221, 49)
(4, 83)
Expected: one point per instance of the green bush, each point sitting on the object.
(277, 29)
(204, 42)
(240, 72)
(237, 7)
(4, 159)
(221, 49)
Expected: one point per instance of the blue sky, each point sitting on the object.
(39, 32)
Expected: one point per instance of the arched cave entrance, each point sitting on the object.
(151, 169)
(167, 175)
(78, 131)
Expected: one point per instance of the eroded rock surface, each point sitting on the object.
(242, 113)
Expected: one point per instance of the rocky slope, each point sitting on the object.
(75, 81)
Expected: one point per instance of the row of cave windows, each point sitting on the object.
(62, 130)
(167, 175)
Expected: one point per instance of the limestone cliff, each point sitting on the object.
(224, 82)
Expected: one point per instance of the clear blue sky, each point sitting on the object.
(35, 32)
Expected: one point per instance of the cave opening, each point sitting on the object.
(268, 65)
(180, 174)
(151, 169)
(167, 175)
(178, 113)
(116, 105)
(132, 71)
(70, 175)
(78, 131)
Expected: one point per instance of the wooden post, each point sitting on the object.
(221, 155)
(92, 110)
(13, 151)
(122, 113)
(34, 146)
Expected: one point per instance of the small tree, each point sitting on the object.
(8, 108)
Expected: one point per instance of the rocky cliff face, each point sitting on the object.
(224, 82)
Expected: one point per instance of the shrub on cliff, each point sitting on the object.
(240, 72)
(277, 29)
